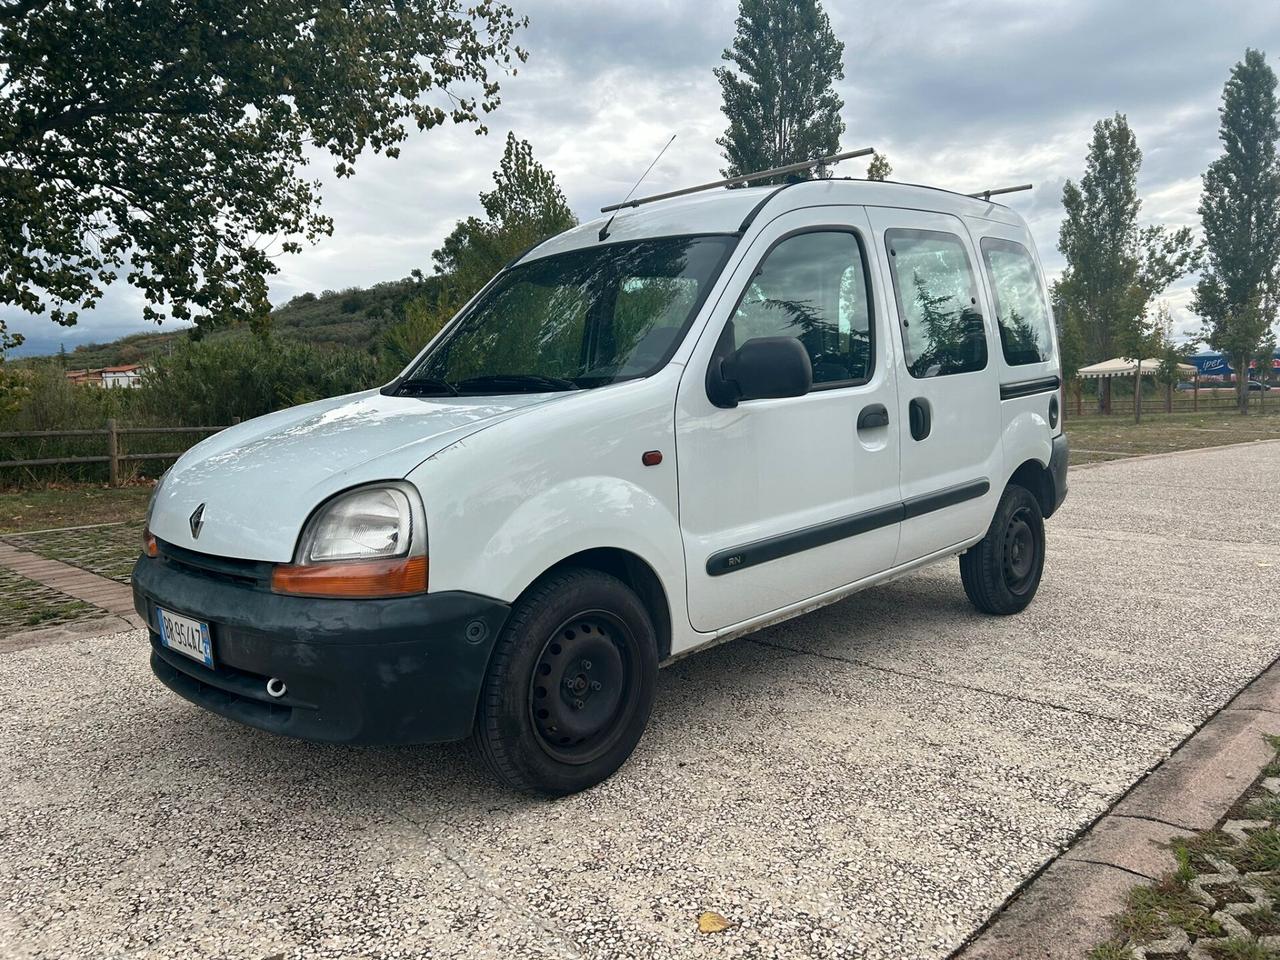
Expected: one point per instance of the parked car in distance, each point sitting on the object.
(1185, 385)
(644, 437)
(1259, 385)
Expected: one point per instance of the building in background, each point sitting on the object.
(127, 375)
(1215, 366)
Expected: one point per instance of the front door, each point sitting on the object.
(948, 386)
(784, 500)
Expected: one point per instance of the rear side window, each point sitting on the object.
(937, 299)
(1020, 305)
(813, 286)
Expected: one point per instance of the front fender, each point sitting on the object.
(580, 514)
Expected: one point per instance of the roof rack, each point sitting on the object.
(819, 164)
(988, 194)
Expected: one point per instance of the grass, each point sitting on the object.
(1237, 948)
(1097, 438)
(26, 605)
(71, 506)
(1153, 911)
(1149, 911)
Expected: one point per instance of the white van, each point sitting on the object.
(641, 438)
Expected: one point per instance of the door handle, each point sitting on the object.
(873, 416)
(920, 416)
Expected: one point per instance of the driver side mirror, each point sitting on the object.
(766, 368)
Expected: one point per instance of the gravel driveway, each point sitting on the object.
(872, 780)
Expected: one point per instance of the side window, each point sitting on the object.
(1025, 333)
(938, 302)
(813, 286)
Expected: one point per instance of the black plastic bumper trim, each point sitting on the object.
(394, 670)
(1058, 471)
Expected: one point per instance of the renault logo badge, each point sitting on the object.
(197, 522)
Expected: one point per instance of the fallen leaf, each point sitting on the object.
(711, 922)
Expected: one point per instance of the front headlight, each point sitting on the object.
(367, 542)
(364, 524)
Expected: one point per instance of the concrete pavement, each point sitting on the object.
(872, 780)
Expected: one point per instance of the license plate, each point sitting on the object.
(186, 636)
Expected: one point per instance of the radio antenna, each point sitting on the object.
(604, 231)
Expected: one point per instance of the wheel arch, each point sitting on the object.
(1038, 479)
(636, 573)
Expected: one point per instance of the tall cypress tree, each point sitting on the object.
(1114, 267)
(780, 101)
(1239, 290)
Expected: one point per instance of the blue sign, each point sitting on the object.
(1217, 365)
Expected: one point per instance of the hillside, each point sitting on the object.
(354, 317)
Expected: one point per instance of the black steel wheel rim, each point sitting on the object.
(584, 687)
(1021, 551)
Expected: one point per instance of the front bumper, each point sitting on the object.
(397, 670)
(1058, 470)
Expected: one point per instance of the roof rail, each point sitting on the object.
(819, 164)
(988, 194)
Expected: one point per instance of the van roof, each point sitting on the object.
(730, 211)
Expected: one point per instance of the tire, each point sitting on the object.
(570, 684)
(1001, 573)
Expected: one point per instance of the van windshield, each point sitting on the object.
(575, 320)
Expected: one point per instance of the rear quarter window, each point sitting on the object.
(1021, 311)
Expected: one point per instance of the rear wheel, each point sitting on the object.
(570, 684)
(1001, 573)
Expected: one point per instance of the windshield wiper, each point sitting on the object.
(419, 386)
(519, 382)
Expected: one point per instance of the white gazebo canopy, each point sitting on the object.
(1121, 367)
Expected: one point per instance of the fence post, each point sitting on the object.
(113, 451)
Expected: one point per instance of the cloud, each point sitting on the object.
(963, 94)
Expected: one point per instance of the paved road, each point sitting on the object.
(869, 781)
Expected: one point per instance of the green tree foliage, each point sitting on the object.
(1071, 347)
(1239, 289)
(525, 206)
(1114, 267)
(213, 380)
(780, 100)
(1169, 354)
(163, 142)
(1264, 358)
(423, 319)
(879, 167)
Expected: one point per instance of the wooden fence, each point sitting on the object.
(113, 457)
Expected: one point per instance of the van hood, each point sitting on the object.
(260, 480)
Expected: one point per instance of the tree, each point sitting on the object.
(1169, 353)
(525, 207)
(780, 101)
(1114, 268)
(164, 142)
(1239, 289)
(1264, 360)
(879, 168)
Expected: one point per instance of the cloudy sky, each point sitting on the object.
(963, 94)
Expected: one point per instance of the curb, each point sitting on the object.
(1063, 910)
(63, 633)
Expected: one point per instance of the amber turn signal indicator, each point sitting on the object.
(352, 578)
(149, 545)
(651, 458)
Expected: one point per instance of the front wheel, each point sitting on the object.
(570, 684)
(1001, 573)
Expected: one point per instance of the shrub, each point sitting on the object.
(213, 381)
